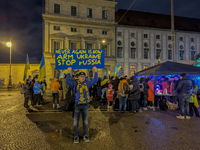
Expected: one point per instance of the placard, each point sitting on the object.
(79, 58)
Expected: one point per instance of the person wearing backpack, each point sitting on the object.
(143, 92)
(123, 90)
(82, 99)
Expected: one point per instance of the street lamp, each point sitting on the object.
(9, 44)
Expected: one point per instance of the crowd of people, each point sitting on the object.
(122, 93)
(34, 91)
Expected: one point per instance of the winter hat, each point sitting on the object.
(109, 85)
(182, 74)
(81, 73)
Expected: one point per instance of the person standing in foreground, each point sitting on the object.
(183, 89)
(82, 98)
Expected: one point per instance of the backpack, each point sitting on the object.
(141, 85)
(126, 88)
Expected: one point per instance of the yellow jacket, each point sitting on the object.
(55, 85)
(122, 82)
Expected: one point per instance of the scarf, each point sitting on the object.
(82, 99)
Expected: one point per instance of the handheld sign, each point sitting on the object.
(79, 58)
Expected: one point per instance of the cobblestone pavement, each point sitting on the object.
(45, 128)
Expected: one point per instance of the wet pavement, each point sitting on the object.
(45, 128)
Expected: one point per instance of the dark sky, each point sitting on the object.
(21, 20)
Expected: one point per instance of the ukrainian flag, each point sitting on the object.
(117, 69)
(27, 66)
(42, 71)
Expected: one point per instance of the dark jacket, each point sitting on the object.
(176, 83)
(28, 91)
(115, 84)
(146, 87)
(184, 86)
(135, 92)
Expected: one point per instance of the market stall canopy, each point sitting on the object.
(169, 67)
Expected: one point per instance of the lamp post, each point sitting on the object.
(9, 44)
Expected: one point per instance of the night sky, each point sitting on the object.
(21, 20)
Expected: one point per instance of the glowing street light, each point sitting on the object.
(9, 44)
(103, 41)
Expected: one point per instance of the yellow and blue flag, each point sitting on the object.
(42, 71)
(117, 69)
(27, 66)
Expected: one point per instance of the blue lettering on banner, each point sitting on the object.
(79, 58)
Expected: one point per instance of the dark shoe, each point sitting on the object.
(86, 139)
(76, 139)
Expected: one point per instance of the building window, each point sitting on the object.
(170, 46)
(181, 55)
(104, 14)
(133, 52)
(119, 33)
(180, 38)
(73, 11)
(132, 73)
(192, 39)
(158, 53)
(89, 13)
(145, 67)
(88, 46)
(119, 43)
(192, 47)
(56, 28)
(104, 32)
(119, 52)
(169, 37)
(132, 44)
(133, 35)
(145, 36)
(158, 45)
(157, 37)
(72, 45)
(89, 31)
(146, 44)
(105, 50)
(132, 67)
(73, 30)
(181, 46)
(169, 54)
(146, 53)
(56, 45)
(192, 55)
(56, 8)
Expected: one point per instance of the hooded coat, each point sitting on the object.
(28, 90)
(121, 83)
(55, 85)
(150, 91)
(184, 86)
(135, 92)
